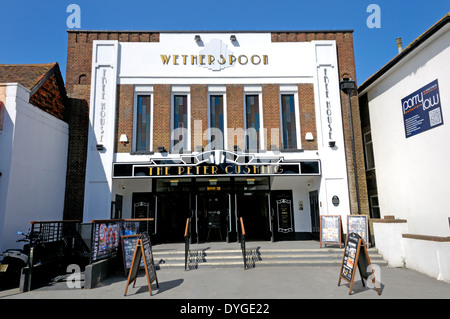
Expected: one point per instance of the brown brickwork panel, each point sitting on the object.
(161, 116)
(235, 116)
(124, 117)
(271, 114)
(199, 115)
(307, 115)
(48, 98)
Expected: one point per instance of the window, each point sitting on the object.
(216, 122)
(143, 123)
(375, 207)
(288, 122)
(252, 122)
(180, 132)
(368, 148)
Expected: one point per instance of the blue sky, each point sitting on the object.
(36, 31)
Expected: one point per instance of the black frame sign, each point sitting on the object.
(355, 257)
(143, 251)
(284, 214)
(128, 248)
(358, 224)
(331, 230)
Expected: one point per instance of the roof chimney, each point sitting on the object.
(399, 45)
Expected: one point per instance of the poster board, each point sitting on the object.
(284, 214)
(331, 230)
(105, 239)
(356, 256)
(358, 224)
(143, 251)
(128, 248)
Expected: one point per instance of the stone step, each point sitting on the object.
(232, 257)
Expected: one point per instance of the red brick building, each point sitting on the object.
(213, 125)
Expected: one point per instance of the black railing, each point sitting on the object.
(242, 239)
(187, 236)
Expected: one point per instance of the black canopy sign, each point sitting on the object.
(353, 259)
(143, 250)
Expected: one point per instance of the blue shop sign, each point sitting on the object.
(422, 110)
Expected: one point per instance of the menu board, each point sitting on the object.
(358, 224)
(128, 247)
(105, 241)
(330, 230)
(143, 252)
(356, 256)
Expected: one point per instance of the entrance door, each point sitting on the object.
(173, 211)
(283, 215)
(212, 216)
(254, 209)
(315, 221)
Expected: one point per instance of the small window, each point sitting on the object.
(288, 123)
(216, 122)
(252, 122)
(368, 148)
(374, 207)
(143, 123)
(180, 123)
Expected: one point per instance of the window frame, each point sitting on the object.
(181, 91)
(254, 90)
(145, 91)
(294, 92)
(217, 91)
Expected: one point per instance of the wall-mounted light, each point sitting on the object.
(100, 147)
(197, 38)
(123, 139)
(309, 136)
(233, 38)
(161, 149)
(332, 143)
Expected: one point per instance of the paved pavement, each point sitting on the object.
(259, 283)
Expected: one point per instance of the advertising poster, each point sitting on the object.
(422, 110)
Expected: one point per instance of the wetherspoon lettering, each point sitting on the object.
(203, 59)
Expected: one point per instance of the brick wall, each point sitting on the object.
(271, 114)
(307, 115)
(161, 116)
(124, 117)
(235, 116)
(48, 98)
(199, 112)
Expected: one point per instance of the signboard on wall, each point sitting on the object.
(422, 109)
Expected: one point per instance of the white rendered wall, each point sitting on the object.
(33, 162)
(413, 173)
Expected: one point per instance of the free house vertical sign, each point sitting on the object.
(422, 109)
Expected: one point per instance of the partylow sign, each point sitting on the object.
(422, 110)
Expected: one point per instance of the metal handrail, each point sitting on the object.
(244, 256)
(187, 235)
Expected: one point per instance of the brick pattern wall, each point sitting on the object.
(199, 112)
(307, 115)
(124, 117)
(48, 98)
(235, 116)
(346, 63)
(161, 116)
(271, 115)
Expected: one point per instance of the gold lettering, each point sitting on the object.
(197, 170)
(214, 170)
(240, 59)
(278, 169)
(188, 172)
(202, 57)
(246, 169)
(205, 169)
(226, 169)
(265, 59)
(180, 170)
(165, 59)
(210, 59)
(193, 59)
(232, 59)
(238, 170)
(184, 59)
(222, 60)
(253, 59)
(255, 169)
(175, 58)
(166, 170)
(150, 171)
